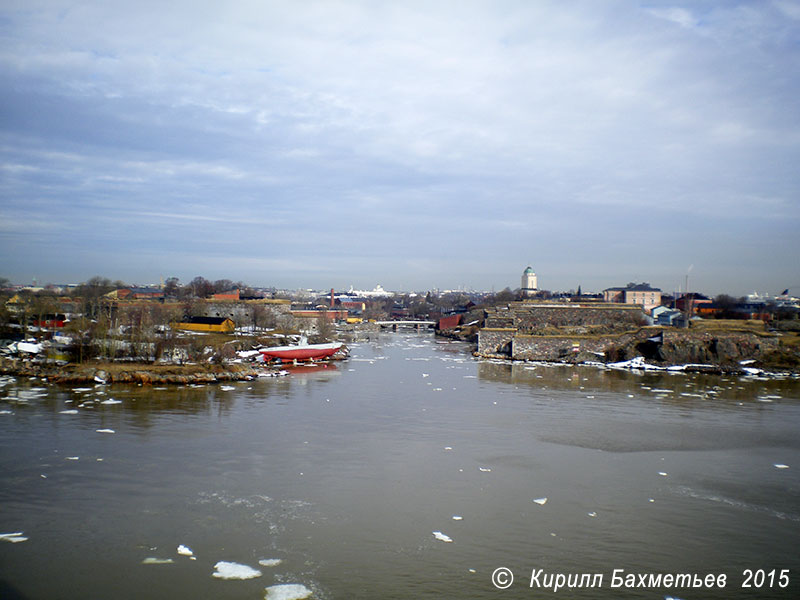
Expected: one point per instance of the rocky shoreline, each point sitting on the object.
(135, 373)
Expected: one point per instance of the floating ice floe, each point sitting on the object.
(484, 470)
(281, 373)
(105, 431)
(540, 501)
(287, 591)
(227, 388)
(662, 473)
(592, 514)
(151, 560)
(111, 401)
(448, 447)
(14, 538)
(780, 466)
(185, 551)
(70, 411)
(270, 562)
(72, 458)
(6, 412)
(232, 570)
(458, 518)
(442, 537)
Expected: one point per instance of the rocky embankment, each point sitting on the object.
(725, 350)
(720, 350)
(137, 374)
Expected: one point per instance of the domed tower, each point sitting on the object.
(529, 285)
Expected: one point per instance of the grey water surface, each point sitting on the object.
(340, 475)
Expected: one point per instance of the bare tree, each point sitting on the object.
(201, 287)
(325, 329)
(172, 287)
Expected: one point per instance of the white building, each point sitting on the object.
(529, 284)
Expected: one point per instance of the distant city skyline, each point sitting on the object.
(378, 288)
(413, 145)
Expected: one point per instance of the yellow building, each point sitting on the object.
(206, 324)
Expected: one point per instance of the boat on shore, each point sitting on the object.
(301, 352)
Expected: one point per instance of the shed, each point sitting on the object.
(206, 324)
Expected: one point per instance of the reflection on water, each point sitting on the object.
(335, 478)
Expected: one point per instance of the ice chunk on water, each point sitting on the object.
(458, 518)
(441, 536)
(227, 388)
(662, 473)
(185, 550)
(150, 560)
(780, 466)
(484, 470)
(270, 562)
(592, 514)
(540, 501)
(14, 538)
(111, 401)
(105, 431)
(287, 591)
(232, 570)
(72, 458)
(71, 411)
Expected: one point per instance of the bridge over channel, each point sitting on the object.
(415, 324)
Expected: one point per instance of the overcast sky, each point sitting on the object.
(415, 145)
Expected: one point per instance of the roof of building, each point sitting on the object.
(633, 287)
(206, 320)
(528, 271)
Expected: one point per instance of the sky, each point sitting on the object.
(415, 145)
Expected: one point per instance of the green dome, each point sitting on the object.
(528, 271)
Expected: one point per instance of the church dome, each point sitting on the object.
(528, 271)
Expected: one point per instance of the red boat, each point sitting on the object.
(301, 352)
